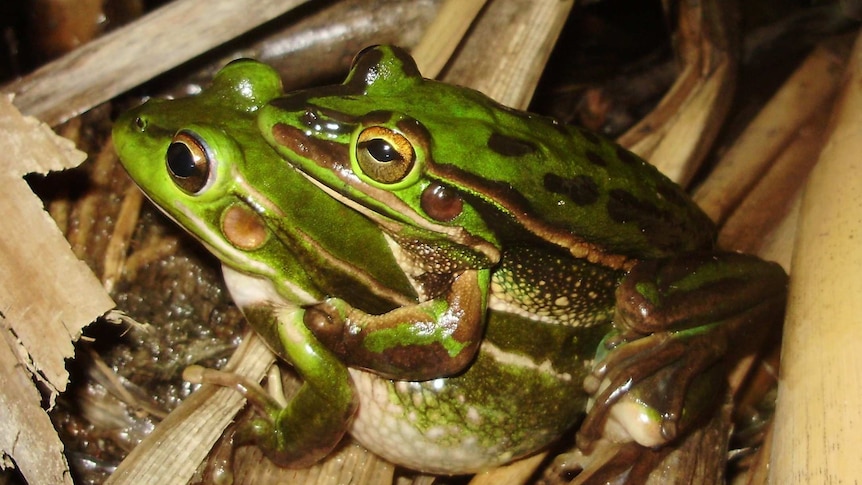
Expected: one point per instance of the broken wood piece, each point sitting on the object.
(47, 296)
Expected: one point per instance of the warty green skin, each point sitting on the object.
(551, 222)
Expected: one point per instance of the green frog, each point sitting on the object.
(455, 281)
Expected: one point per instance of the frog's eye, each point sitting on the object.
(189, 162)
(383, 155)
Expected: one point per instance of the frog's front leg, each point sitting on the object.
(305, 429)
(435, 338)
(675, 322)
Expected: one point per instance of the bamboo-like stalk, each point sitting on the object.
(444, 34)
(808, 89)
(748, 227)
(817, 434)
(508, 47)
(110, 65)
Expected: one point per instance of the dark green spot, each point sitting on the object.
(595, 158)
(580, 189)
(625, 208)
(509, 146)
(658, 226)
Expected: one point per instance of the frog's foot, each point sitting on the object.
(651, 389)
(288, 432)
(674, 320)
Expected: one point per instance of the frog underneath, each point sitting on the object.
(441, 270)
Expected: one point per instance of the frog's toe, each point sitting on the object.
(264, 402)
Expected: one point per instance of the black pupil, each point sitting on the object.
(381, 150)
(181, 161)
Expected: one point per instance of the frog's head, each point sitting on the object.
(189, 157)
(383, 142)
